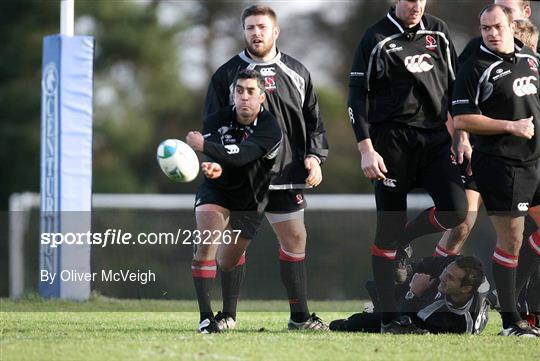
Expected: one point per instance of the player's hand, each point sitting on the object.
(523, 128)
(420, 283)
(211, 170)
(195, 140)
(373, 165)
(314, 171)
(462, 149)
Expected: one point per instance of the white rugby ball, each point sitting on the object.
(177, 160)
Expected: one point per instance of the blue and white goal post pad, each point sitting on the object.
(66, 161)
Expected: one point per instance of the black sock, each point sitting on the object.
(504, 274)
(425, 223)
(293, 275)
(528, 261)
(383, 263)
(230, 287)
(204, 273)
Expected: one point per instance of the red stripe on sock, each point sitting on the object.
(534, 242)
(433, 220)
(287, 258)
(241, 261)
(443, 252)
(384, 253)
(203, 263)
(200, 273)
(504, 259)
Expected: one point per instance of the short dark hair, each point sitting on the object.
(254, 10)
(489, 8)
(251, 74)
(474, 271)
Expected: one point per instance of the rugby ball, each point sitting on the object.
(177, 160)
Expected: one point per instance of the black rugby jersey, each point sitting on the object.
(402, 75)
(246, 152)
(435, 313)
(501, 87)
(290, 97)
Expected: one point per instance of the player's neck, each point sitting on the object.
(267, 57)
(459, 300)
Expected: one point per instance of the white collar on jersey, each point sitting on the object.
(517, 49)
(243, 55)
(391, 15)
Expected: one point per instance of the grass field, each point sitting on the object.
(107, 329)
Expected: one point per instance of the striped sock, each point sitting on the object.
(504, 273)
(231, 282)
(443, 252)
(383, 263)
(425, 223)
(293, 275)
(204, 273)
(529, 260)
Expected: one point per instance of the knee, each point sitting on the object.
(453, 219)
(224, 264)
(294, 241)
(204, 253)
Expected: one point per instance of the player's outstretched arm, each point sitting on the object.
(372, 163)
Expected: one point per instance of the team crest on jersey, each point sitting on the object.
(431, 43)
(532, 65)
(270, 83)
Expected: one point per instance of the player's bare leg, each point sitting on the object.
(452, 241)
(209, 217)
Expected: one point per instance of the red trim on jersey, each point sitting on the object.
(289, 257)
(384, 253)
(504, 259)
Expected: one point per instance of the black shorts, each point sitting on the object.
(285, 201)
(414, 157)
(506, 189)
(468, 180)
(243, 213)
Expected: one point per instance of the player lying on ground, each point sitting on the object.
(403, 67)
(444, 295)
(241, 143)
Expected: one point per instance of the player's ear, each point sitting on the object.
(262, 97)
(527, 11)
(466, 289)
(276, 31)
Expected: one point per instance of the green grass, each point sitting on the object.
(34, 329)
